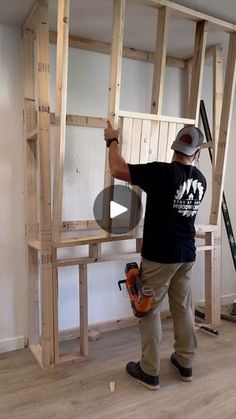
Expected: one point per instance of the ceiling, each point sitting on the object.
(93, 19)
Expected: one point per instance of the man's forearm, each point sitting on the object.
(118, 165)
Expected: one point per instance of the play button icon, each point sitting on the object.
(117, 209)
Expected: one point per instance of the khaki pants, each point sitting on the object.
(174, 279)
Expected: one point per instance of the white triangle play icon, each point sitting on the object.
(116, 209)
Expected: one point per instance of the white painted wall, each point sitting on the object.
(13, 301)
(88, 94)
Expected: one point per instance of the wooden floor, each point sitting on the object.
(82, 391)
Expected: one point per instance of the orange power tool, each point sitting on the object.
(141, 295)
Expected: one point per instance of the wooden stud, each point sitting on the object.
(114, 96)
(29, 126)
(42, 57)
(197, 72)
(227, 105)
(116, 61)
(83, 297)
(31, 191)
(33, 297)
(216, 117)
(95, 251)
(55, 307)
(160, 60)
(217, 99)
(210, 51)
(60, 119)
(28, 47)
(115, 65)
(212, 286)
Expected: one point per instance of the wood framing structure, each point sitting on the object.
(144, 137)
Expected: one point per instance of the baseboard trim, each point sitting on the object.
(108, 326)
(12, 344)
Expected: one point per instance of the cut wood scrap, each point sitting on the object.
(112, 386)
(93, 335)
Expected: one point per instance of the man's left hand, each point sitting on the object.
(110, 132)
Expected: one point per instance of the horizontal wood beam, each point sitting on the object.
(84, 260)
(82, 121)
(187, 13)
(75, 225)
(105, 48)
(101, 237)
(98, 238)
(99, 122)
(160, 118)
(111, 258)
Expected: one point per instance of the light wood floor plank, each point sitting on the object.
(82, 391)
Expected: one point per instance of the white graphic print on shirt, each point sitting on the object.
(188, 197)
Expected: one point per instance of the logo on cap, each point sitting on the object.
(188, 140)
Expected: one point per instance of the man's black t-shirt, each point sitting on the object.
(174, 192)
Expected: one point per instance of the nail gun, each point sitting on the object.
(140, 295)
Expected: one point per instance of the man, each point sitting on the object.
(174, 192)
